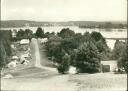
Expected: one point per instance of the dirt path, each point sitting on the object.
(37, 58)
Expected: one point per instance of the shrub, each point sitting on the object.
(64, 65)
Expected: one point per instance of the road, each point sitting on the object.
(37, 58)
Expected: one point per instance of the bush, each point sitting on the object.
(64, 65)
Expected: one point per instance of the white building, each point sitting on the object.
(109, 66)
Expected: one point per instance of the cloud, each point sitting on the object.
(64, 10)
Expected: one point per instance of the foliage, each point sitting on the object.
(66, 33)
(85, 50)
(21, 35)
(88, 59)
(29, 34)
(53, 48)
(24, 34)
(64, 65)
(101, 45)
(68, 44)
(3, 55)
(5, 37)
(97, 36)
(39, 33)
(5, 48)
(47, 34)
(118, 47)
(124, 58)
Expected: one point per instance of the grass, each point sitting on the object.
(104, 81)
(27, 71)
(44, 59)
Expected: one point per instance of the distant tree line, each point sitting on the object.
(22, 34)
(82, 24)
(105, 25)
(28, 34)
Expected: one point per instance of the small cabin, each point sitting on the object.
(109, 66)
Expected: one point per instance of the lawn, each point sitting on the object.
(100, 82)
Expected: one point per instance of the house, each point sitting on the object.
(24, 41)
(109, 66)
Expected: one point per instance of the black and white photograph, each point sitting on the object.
(63, 45)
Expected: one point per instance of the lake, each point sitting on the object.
(113, 33)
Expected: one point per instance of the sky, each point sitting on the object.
(64, 10)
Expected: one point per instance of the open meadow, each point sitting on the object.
(100, 82)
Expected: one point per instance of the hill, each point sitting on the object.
(23, 23)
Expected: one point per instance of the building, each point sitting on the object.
(24, 41)
(109, 66)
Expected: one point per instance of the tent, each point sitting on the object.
(24, 41)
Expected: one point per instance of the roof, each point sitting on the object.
(109, 62)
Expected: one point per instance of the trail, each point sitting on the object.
(37, 58)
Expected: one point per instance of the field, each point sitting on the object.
(77, 82)
(100, 82)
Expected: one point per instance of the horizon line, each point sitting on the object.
(66, 21)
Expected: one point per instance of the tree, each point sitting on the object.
(29, 34)
(39, 33)
(101, 45)
(5, 49)
(118, 47)
(21, 34)
(47, 34)
(68, 44)
(66, 33)
(87, 59)
(97, 36)
(64, 65)
(124, 59)
(3, 55)
(54, 49)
